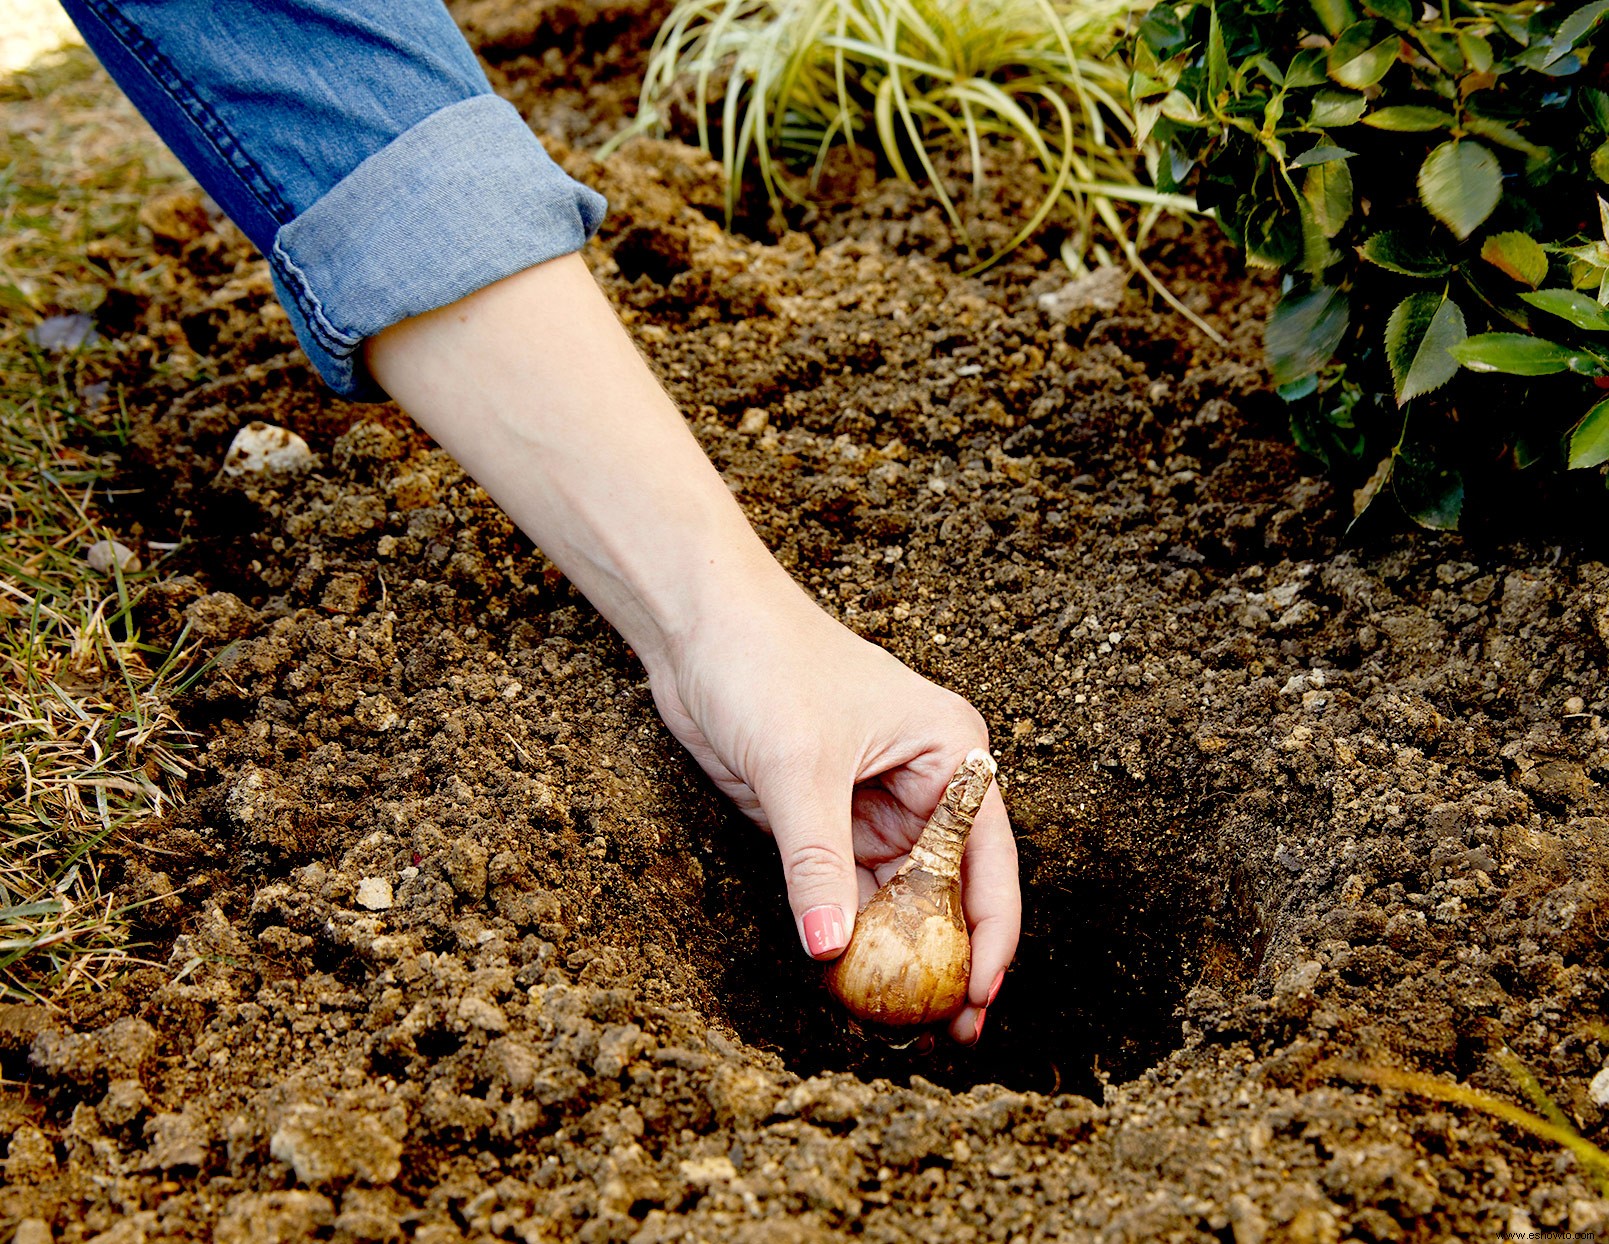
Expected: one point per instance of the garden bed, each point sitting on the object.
(1284, 797)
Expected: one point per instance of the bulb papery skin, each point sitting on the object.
(910, 958)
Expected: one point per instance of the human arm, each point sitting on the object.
(825, 740)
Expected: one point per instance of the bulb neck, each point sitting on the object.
(944, 838)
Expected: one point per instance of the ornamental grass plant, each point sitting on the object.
(924, 86)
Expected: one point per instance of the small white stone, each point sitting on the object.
(702, 1172)
(37, 1231)
(1100, 290)
(1598, 1090)
(104, 554)
(260, 447)
(755, 420)
(374, 893)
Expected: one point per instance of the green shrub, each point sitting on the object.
(1427, 183)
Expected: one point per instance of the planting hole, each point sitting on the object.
(1124, 912)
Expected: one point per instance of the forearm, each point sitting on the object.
(534, 386)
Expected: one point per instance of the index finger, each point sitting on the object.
(992, 899)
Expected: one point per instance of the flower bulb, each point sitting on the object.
(910, 957)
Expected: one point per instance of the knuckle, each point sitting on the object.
(967, 718)
(814, 861)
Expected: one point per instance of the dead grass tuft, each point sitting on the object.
(90, 747)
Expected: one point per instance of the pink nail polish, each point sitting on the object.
(824, 931)
(977, 1024)
(999, 980)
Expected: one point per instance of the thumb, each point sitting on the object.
(811, 825)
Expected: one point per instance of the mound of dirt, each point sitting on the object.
(460, 946)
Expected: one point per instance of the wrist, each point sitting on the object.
(734, 593)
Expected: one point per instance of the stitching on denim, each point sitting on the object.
(338, 342)
(201, 116)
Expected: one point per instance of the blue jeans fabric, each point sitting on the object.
(359, 146)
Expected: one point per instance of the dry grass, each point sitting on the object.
(1548, 1123)
(89, 745)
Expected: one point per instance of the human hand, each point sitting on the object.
(841, 752)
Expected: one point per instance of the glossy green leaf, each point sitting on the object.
(1514, 25)
(1328, 191)
(1575, 27)
(1518, 354)
(1422, 328)
(1572, 305)
(1217, 58)
(1360, 58)
(1596, 105)
(1333, 109)
(1409, 118)
(1460, 183)
(1540, 56)
(1162, 31)
(1504, 136)
(1273, 236)
(1397, 251)
(1397, 12)
(1477, 51)
(1528, 451)
(1303, 332)
(1430, 493)
(1443, 49)
(1335, 15)
(1322, 154)
(1589, 440)
(1306, 69)
(1518, 255)
(1296, 390)
(1177, 106)
(1263, 64)
(1317, 253)
(1600, 162)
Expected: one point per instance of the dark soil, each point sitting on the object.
(1284, 797)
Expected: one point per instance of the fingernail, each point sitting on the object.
(999, 980)
(824, 931)
(977, 1024)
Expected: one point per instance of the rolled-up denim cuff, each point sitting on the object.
(464, 198)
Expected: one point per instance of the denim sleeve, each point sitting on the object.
(359, 146)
